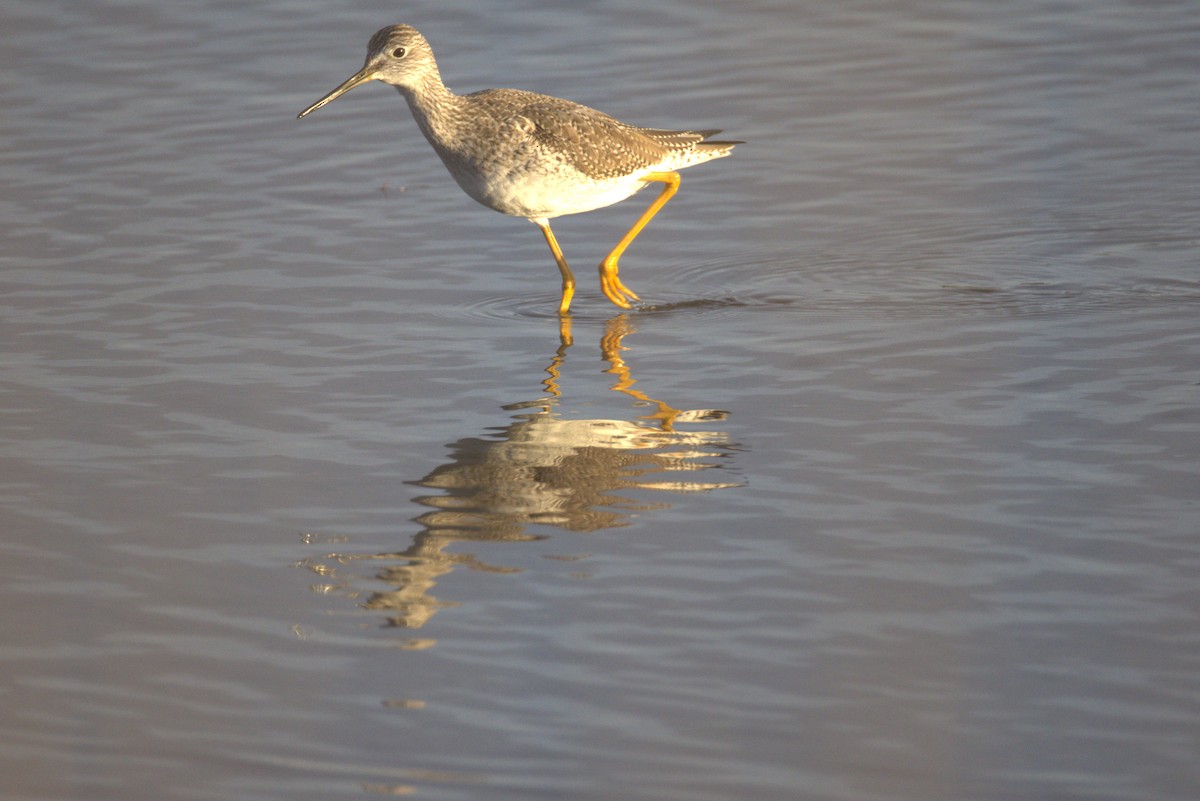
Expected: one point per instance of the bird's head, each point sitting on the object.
(397, 55)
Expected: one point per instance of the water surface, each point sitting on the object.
(889, 493)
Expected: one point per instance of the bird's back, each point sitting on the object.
(523, 153)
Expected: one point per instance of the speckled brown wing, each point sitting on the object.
(678, 140)
(689, 141)
(574, 132)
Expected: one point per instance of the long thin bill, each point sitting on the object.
(358, 79)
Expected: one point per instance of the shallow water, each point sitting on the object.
(889, 493)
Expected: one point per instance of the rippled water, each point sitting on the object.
(890, 492)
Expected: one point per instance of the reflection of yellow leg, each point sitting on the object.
(611, 347)
(565, 340)
(612, 287)
(568, 280)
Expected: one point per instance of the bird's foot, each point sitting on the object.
(612, 287)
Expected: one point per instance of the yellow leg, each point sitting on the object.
(568, 279)
(610, 284)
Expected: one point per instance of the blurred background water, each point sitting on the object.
(891, 493)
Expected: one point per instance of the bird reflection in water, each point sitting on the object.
(548, 470)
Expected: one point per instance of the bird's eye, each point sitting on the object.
(399, 52)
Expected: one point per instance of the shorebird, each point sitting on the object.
(532, 155)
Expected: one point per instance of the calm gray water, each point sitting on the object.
(891, 493)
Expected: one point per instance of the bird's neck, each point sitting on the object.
(436, 109)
